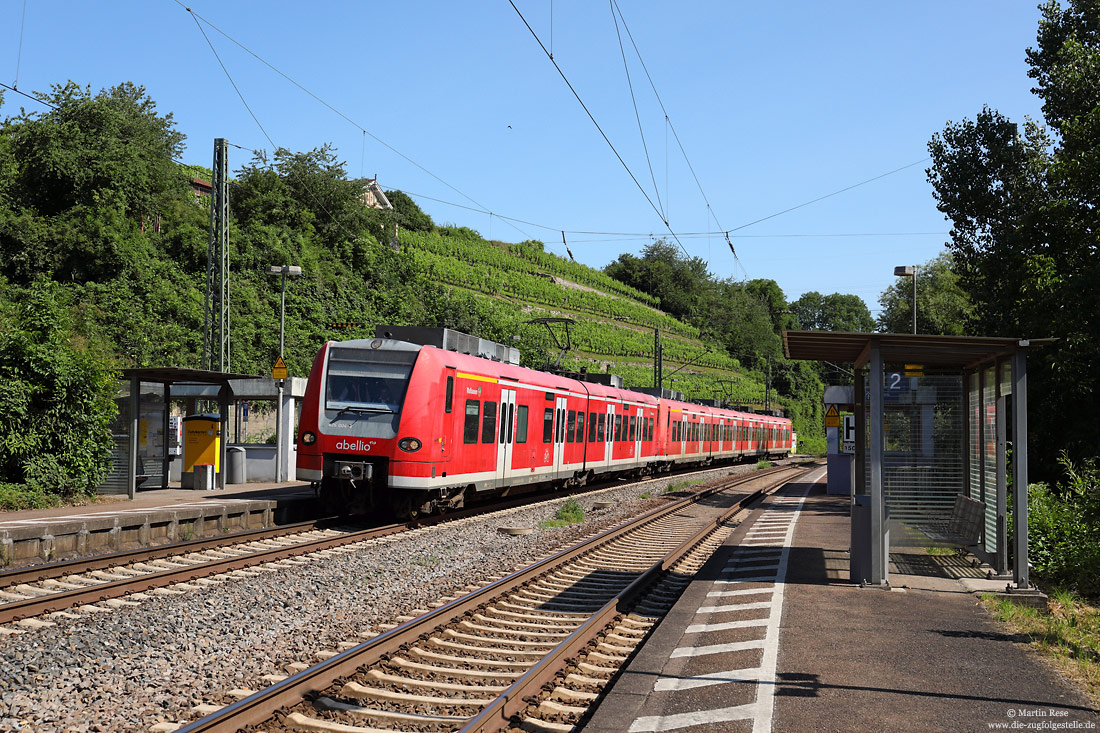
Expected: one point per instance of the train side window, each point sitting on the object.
(633, 422)
(450, 394)
(473, 417)
(618, 428)
(591, 427)
(602, 422)
(548, 425)
(521, 424)
(571, 427)
(580, 426)
(489, 422)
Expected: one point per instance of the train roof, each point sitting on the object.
(509, 371)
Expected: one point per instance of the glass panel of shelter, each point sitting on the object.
(940, 440)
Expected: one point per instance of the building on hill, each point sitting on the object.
(373, 195)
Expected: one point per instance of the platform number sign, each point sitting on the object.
(848, 435)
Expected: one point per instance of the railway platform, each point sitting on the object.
(155, 516)
(771, 636)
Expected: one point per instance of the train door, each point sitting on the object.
(636, 424)
(447, 438)
(559, 434)
(609, 435)
(506, 432)
(720, 434)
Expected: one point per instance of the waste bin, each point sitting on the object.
(236, 459)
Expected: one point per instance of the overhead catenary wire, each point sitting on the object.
(332, 108)
(637, 115)
(829, 195)
(19, 54)
(597, 124)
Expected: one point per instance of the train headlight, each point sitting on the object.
(308, 438)
(409, 445)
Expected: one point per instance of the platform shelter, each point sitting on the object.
(142, 452)
(935, 418)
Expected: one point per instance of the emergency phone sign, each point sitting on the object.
(848, 435)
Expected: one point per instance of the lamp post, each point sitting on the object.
(910, 271)
(284, 270)
(281, 452)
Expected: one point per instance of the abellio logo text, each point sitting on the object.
(353, 445)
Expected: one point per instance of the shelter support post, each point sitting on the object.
(1019, 468)
(880, 551)
(166, 461)
(861, 432)
(223, 449)
(280, 437)
(1000, 555)
(135, 418)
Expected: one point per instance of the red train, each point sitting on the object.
(424, 428)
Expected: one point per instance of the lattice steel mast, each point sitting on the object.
(215, 345)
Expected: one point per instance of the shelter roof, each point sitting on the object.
(179, 375)
(941, 351)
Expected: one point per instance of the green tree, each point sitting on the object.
(943, 307)
(663, 271)
(836, 312)
(409, 215)
(56, 401)
(1024, 203)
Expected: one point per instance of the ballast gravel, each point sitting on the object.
(133, 667)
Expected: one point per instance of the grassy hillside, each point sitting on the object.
(614, 323)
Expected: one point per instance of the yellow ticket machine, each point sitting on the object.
(202, 446)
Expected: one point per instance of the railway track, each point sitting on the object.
(532, 649)
(93, 584)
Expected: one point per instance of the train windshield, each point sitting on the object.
(378, 385)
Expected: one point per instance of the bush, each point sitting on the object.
(1064, 528)
(56, 403)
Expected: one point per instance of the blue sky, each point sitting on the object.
(775, 105)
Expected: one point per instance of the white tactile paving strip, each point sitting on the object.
(760, 558)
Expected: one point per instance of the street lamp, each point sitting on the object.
(910, 271)
(282, 458)
(284, 270)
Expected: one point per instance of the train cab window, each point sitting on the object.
(548, 425)
(633, 420)
(580, 426)
(473, 417)
(450, 395)
(591, 427)
(571, 427)
(618, 428)
(489, 422)
(601, 423)
(521, 424)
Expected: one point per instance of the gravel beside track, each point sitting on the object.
(132, 667)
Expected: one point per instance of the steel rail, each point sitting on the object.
(261, 705)
(498, 715)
